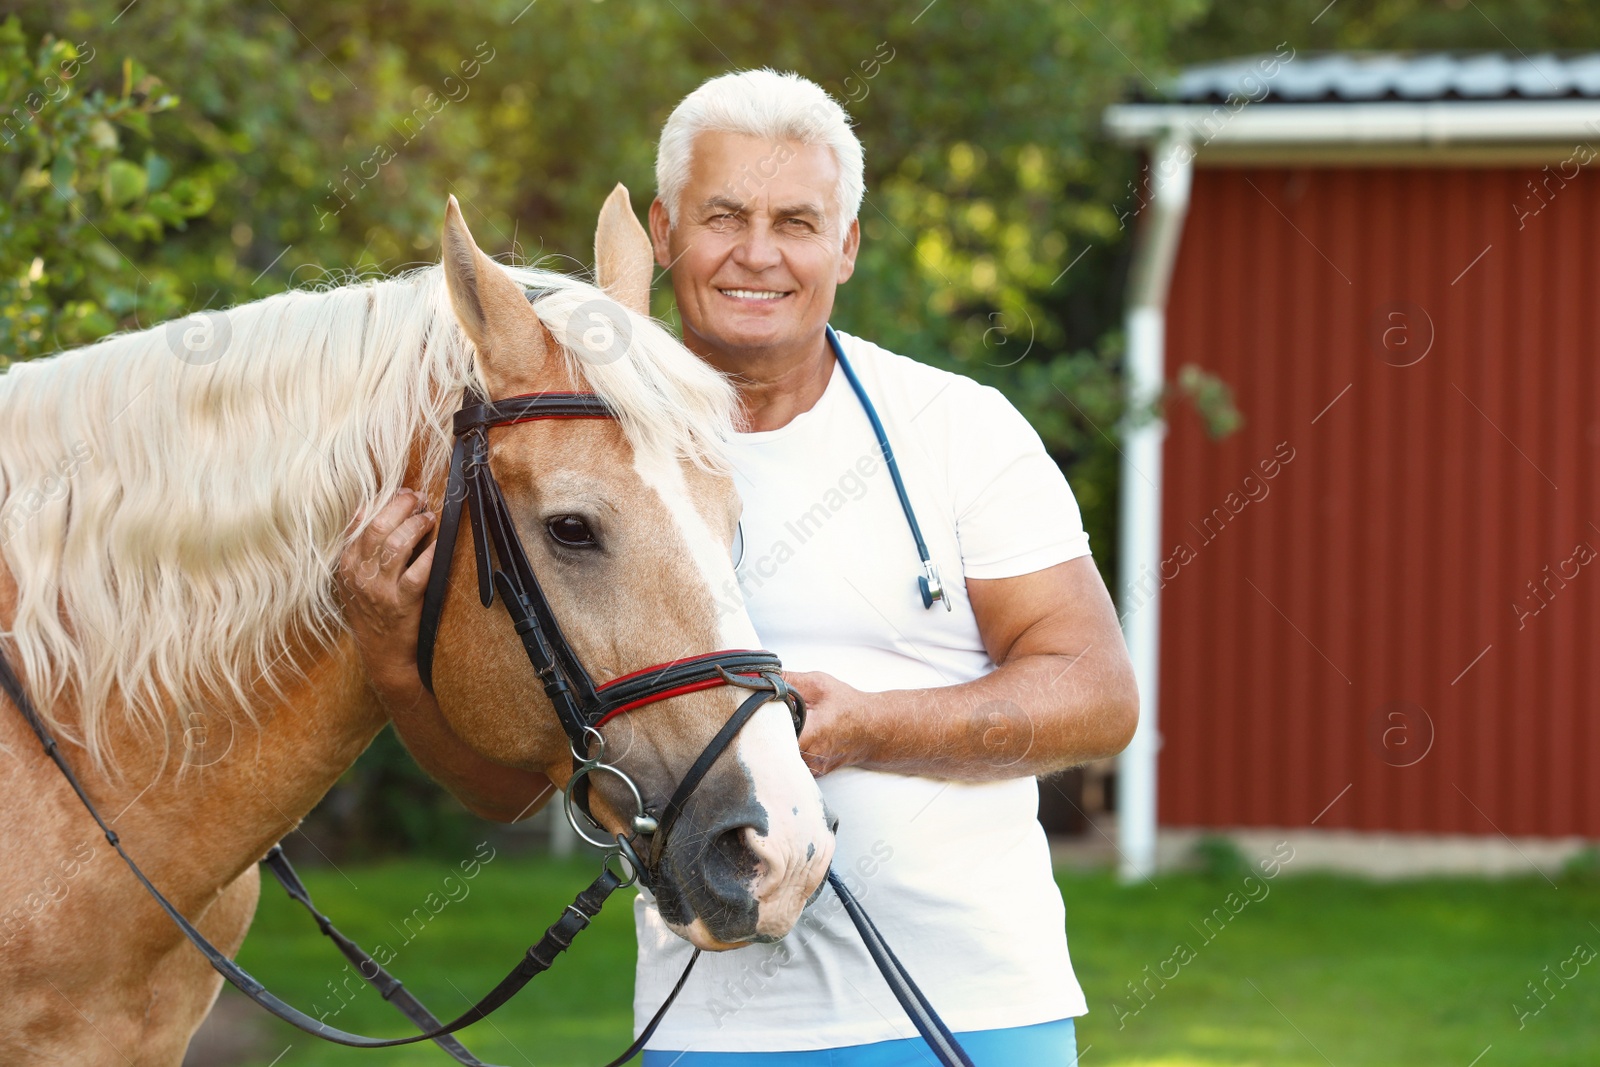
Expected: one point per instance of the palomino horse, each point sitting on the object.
(171, 509)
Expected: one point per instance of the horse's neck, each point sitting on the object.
(196, 815)
(258, 781)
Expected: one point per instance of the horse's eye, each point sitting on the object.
(571, 531)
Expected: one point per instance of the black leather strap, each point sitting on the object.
(573, 693)
(699, 769)
(471, 487)
(477, 413)
(503, 568)
(655, 1020)
(941, 1042)
(455, 492)
(389, 987)
(469, 461)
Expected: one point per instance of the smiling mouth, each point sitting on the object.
(754, 294)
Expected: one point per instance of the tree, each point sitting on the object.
(88, 193)
(327, 136)
(332, 132)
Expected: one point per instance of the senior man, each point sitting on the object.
(928, 723)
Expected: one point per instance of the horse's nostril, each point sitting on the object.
(728, 860)
(733, 850)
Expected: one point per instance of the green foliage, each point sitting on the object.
(332, 132)
(1509, 26)
(1212, 398)
(88, 193)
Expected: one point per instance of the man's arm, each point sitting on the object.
(1063, 692)
(382, 595)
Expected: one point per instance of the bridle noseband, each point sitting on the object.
(581, 706)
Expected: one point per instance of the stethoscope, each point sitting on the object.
(928, 581)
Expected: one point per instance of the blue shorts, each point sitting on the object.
(1044, 1045)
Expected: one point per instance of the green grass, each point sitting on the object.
(1322, 970)
(571, 1015)
(1336, 970)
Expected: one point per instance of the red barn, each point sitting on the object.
(1375, 606)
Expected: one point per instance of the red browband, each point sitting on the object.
(692, 686)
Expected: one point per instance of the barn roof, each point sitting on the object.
(1376, 107)
(1370, 76)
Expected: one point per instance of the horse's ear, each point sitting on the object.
(624, 259)
(492, 309)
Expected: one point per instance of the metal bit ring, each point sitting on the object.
(589, 767)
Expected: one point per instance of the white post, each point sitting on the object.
(563, 838)
(1139, 544)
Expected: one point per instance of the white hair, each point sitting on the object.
(173, 526)
(775, 107)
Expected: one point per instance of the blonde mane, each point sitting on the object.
(173, 528)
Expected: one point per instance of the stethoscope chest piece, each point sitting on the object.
(930, 586)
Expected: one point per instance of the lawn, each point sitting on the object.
(1300, 971)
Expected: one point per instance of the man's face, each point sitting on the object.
(758, 247)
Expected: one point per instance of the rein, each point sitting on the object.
(538, 958)
(581, 707)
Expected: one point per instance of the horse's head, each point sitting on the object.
(630, 534)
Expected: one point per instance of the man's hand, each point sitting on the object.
(1062, 693)
(831, 708)
(381, 587)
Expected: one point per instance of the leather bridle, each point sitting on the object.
(581, 706)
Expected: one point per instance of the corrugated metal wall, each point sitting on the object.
(1399, 630)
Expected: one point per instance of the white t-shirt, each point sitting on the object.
(956, 875)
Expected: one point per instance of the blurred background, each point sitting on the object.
(1354, 449)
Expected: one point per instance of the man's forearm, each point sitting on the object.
(1035, 715)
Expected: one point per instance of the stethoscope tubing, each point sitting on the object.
(928, 581)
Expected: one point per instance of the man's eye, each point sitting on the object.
(571, 531)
